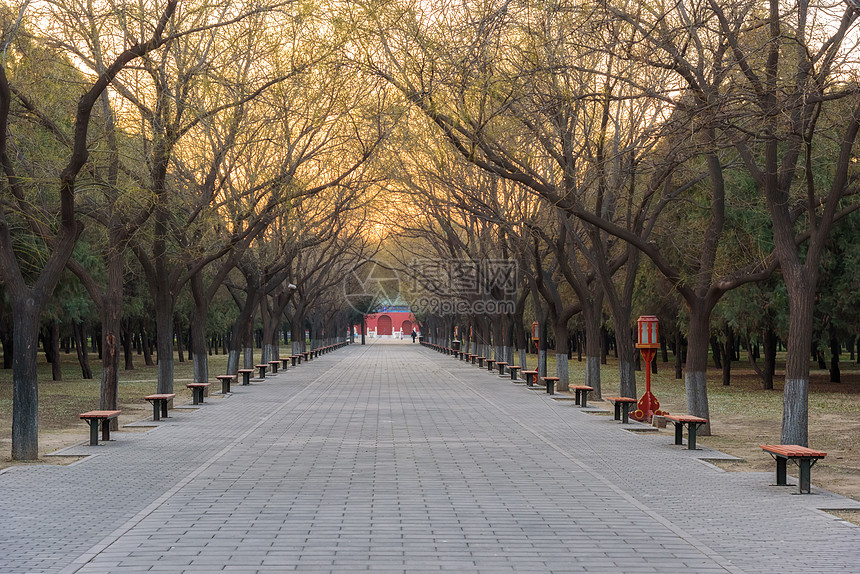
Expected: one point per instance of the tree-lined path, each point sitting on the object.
(392, 458)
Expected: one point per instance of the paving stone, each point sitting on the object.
(387, 458)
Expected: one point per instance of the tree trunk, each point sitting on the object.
(542, 349)
(298, 330)
(593, 344)
(604, 345)
(835, 351)
(579, 346)
(716, 351)
(728, 352)
(795, 414)
(54, 341)
(82, 350)
(199, 355)
(146, 345)
(127, 348)
(7, 350)
(626, 363)
(695, 379)
(111, 335)
(561, 366)
(248, 340)
(664, 349)
(819, 356)
(769, 368)
(164, 339)
(679, 363)
(25, 382)
(520, 339)
(178, 331)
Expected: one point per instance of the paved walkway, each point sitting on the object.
(393, 458)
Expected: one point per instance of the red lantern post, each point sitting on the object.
(648, 342)
(536, 335)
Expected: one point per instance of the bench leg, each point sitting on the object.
(225, 387)
(691, 435)
(781, 464)
(625, 416)
(804, 476)
(550, 387)
(156, 411)
(618, 411)
(164, 405)
(94, 432)
(195, 398)
(679, 433)
(576, 396)
(246, 379)
(584, 399)
(106, 429)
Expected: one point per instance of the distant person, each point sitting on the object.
(414, 334)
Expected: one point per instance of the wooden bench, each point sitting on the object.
(481, 362)
(501, 365)
(474, 358)
(550, 384)
(262, 367)
(581, 392)
(531, 377)
(197, 390)
(693, 424)
(225, 382)
(805, 458)
(274, 365)
(246, 376)
(159, 404)
(490, 363)
(93, 418)
(293, 359)
(306, 356)
(513, 369)
(622, 407)
(285, 363)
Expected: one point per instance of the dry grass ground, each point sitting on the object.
(743, 415)
(60, 402)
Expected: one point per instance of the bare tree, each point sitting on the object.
(29, 298)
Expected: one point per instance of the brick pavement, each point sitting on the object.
(393, 458)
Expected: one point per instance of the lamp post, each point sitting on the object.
(647, 342)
